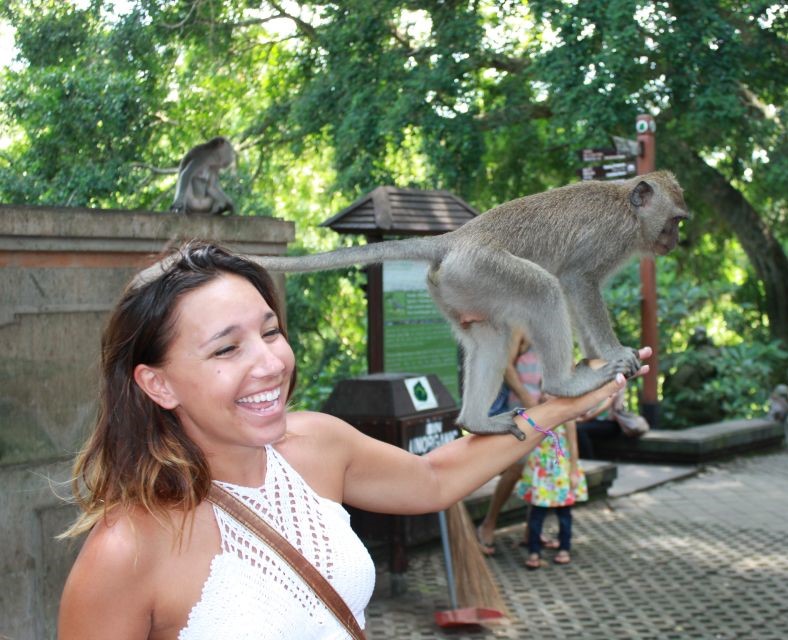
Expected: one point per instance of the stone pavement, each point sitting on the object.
(705, 557)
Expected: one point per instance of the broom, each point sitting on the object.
(472, 589)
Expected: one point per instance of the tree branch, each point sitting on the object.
(763, 250)
(152, 169)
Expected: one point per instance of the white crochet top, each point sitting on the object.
(251, 594)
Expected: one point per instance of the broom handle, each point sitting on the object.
(447, 559)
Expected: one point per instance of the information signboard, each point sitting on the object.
(620, 160)
(608, 171)
(416, 337)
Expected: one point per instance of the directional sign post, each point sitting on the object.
(624, 159)
(608, 171)
(649, 401)
(619, 162)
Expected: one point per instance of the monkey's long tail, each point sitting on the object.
(426, 249)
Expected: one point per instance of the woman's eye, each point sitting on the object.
(272, 333)
(225, 350)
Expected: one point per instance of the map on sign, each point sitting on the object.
(416, 337)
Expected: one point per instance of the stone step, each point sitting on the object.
(634, 477)
(696, 444)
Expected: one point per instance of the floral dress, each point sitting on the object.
(545, 480)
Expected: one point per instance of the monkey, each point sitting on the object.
(536, 263)
(198, 190)
(778, 403)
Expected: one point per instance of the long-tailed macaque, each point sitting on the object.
(198, 189)
(533, 263)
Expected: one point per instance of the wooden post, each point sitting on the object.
(646, 163)
(374, 315)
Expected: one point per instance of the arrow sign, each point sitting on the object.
(624, 149)
(601, 154)
(608, 171)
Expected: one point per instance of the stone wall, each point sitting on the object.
(61, 270)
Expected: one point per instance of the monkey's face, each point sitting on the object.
(669, 236)
(660, 206)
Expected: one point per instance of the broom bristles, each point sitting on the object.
(473, 579)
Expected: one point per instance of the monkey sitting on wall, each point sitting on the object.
(198, 189)
(535, 263)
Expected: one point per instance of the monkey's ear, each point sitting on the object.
(641, 194)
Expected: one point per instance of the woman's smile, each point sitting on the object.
(264, 402)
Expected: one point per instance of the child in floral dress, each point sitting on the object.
(551, 481)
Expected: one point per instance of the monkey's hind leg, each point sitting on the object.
(461, 288)
(486, 349)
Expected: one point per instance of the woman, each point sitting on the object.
(196, 373)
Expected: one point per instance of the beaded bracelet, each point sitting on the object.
(559, 452)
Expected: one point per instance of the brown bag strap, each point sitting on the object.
(279, 544)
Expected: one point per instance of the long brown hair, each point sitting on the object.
(138, 454)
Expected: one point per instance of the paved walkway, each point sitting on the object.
(705, 557)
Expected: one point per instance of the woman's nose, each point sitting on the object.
(266, 361)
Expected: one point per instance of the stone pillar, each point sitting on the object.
(61, 271)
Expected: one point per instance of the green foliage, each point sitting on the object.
(326, 321)
(490, 99)
(83, 105)
(734, 382)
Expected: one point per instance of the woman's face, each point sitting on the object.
(228, 368)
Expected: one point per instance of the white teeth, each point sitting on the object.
(267, 396)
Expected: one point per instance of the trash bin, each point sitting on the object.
(411, 411)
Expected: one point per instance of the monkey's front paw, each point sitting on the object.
(624, 360)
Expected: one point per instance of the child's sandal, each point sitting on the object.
(550, 543)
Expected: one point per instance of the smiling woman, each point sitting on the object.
(196, 371)
(223, 382)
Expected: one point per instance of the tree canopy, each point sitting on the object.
(490, 99)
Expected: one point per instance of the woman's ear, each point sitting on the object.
(154, 384)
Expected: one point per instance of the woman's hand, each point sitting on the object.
(384, 478)
(587, 403)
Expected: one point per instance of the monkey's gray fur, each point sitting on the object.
(534, 263)
(198, 189)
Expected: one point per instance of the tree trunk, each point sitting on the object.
(762, 248)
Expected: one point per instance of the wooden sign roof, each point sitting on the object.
(402, 212)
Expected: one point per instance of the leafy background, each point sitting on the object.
(490, 99)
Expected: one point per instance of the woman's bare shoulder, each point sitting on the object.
(113, 581)
(315, 424)
(127, 540)
(320, 447)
